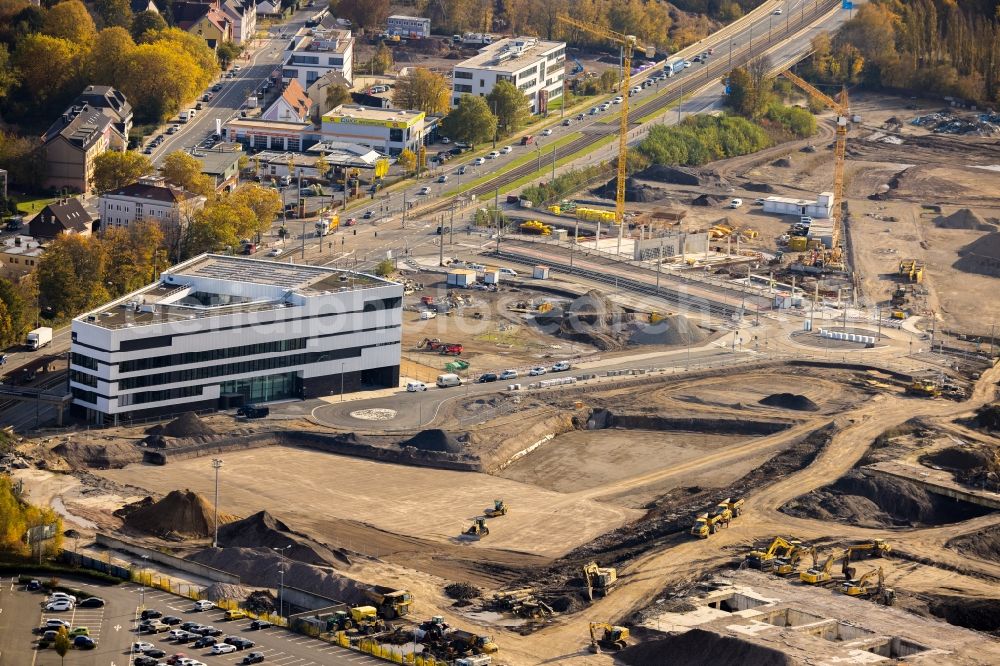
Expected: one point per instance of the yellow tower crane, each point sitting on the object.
(628, 44)
(840, 151)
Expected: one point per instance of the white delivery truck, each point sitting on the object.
(39, 337)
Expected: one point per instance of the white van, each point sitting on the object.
(509, 272)
(447, 380)
(428, 314)
(736, 203)
(183, 116)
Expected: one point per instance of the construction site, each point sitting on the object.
(772, 441)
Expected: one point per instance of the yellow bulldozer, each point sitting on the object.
(923, 387)
(608, 637)
(600, 580)
(499, 509)
(478, 529)
(362, 619)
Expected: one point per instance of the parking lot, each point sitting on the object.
(113, 628)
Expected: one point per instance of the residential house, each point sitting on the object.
(293, 104)
(149, 199)
(205, 19)
(270, 8)
(19, 256)
(139, 6)
(312, 52)
(98, 120)
(243, 14)
(317, 92)
(64, 216)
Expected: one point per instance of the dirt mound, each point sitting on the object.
(707, 200)
(218, 591)
(957, 459)
(782, 162)
(964, 219)
(671, 330)
(99, 456)
(876, 501)
(185, 425)
(981, 256)
(462, 591)
(182, 513)
(794, 401)
(669, 174)
(435, 440)
(129, 509)
(592, 319)
(767, 188)
(264, 530)
(971, 613)
(634, 191)
(698, 647)
(262, 567)
(984, 544)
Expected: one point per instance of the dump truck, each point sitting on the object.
(707, 524)
(873, 548)
(363, 619)
(465, 642)
(733, 507)
(600, 580)
(390, 602)
(478, 529)
(38, 338)
(499, 509)
(608, 637)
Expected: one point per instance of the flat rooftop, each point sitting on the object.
(215, 285)
(510, 55)
(372, 113)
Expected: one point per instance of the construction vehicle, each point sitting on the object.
(923, 387)
(842, 109)
(499, 509)
(822, 575)
(898, 296)
(464, 643)
(707, 524)
(611, 637)
(600, 580)
(390, 602)
(478, 529)
(363, 619)
(873, 548)
(627, 43)
(785, 566)
(898, 314)
(451, 349)
(871, 584)
(733, 507)
(764, 559)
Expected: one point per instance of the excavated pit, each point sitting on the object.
(977, 614)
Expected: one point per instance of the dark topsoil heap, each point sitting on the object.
(794, 401)
(877, 501)
(635, 190)
(435, 439)
(100, 456)
(264, 530)
(185, 425)
(963, 219)
(698, 647)
(971, 613)
(707, 200)
(673, 175)
(974, 466)
(981, 256)
(984, 544)
(182, 513)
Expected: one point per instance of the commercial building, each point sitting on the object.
(388, 131)
(338, 156)
(217, 332)
(312, 52)
(535, 66)
(412, 27)
(221, 163)
(257, 134)
(821, 208)
(149, 199)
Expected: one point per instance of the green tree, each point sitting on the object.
(108, 59)
(114, 12)
(384, 268)
(422, 90)
(71, 275)
(19, 156)
(19, 310)
(608, 80)
(115, 168)
(365, 14)
(227, 52)
(146, 24)
(134, 255)
(184, 170)
(471, 122)
(407, 160)
(8, 75)
(379, 63)
(336, 95)
(71, 21)
(62, 644)
(48, 66)
(509, 105)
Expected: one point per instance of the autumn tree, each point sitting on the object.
(380, 62)
(48, 67)
(18, 311)
(134, 255)
(114, 12)
(107, 62)
(115, 168)
(509, 105)
(219, 225)
(71, 275)
(71, 21)
(19, 157)
(422, 90)
(336, 95)
(184, 170)
(8, 75)
(62, 644)
(407, 160)
(227, 52)
(471, 122)
(263, 202)
(146, 24)
(367, 14)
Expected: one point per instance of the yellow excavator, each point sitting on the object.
(611, 637)
(819, 575)
(871, 584)
(785, 566)
(601, 580)
(764, 559)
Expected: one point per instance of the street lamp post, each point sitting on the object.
(217, 465)
(281, 589)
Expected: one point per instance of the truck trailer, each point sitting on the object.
(39, 337)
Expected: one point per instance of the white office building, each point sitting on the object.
(414, 27)
(533, 65)
(217, 332)
(313, 52)
(388, 131)
(821, 207)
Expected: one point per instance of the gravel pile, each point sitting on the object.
(981, 256)
(185, 425)
(182, 513)
(670, 174)
(964, 219)
(671, 330)
(264, 530)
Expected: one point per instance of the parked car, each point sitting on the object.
(413, 387)
(151, 614)
(239, 642)
(79, 631)
(537, 371)
(156, 653)
(55, 623)
(91, 602)
(143, 660)
(508, 374)
(260, 624)
(223, 648)
(253, 658)
(561, 366)
(205, 641)
(142, 646)
(506, 150)
(84, 643)
(445, 140)
(426, 189)
(487, 377)
(171, 620)
(176, 634)
(509, 272)
(33, 585)
(59, 606)
(59, 596)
